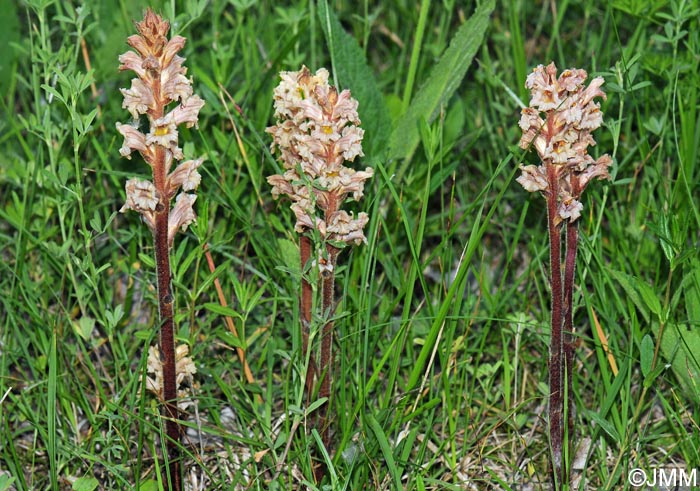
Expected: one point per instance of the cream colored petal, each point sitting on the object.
(174, 84)
(280, 186)
(138, 99)
(139, 44)
(165, 136)
(350, 144)
(598, 170)
(132, 61)
(532, 178)
(185, 175)
(181, 215)
(570, 209)
(175, 44)
(141, 196)
(572, 79)
(345, 109)
(343, 227)
(133, 140)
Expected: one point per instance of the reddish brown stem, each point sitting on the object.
(569, 341)
(328, 282)
(556, 349)
(169, 410)
(306, 297)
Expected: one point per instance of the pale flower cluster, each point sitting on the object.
(161, 80)
(184, 369)
(317, 130)
(558, 124)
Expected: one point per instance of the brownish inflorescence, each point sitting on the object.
(558, 123)
(160, 81)
(318, 130)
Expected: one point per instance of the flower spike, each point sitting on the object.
(160, 81)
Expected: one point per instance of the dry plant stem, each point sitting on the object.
(306, 297)
(169, 408)
(556, 351)
(328, 280)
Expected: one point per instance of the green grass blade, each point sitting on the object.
(351, 71)
(373, 425)
(51, 446)
(442, 82)
(478, 230)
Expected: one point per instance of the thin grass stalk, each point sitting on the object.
(306, 302)
(556, 348)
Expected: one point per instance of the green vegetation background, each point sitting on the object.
(442, 324)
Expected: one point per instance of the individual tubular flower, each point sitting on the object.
(184, 369)
(558, 124)
(318, 130)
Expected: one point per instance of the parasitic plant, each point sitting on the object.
(558, 124)
(160, 81)
(318, 130)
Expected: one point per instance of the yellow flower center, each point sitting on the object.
(161, 131)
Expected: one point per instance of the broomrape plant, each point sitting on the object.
(558, 124)
(318, 130)
(160, 80)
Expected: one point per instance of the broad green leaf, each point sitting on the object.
(9, 35)
(680, 346)
(6, 482)
(289, 251)
(352, 72)
(605, 424)
(629, 284)
(84, 327)
(85, 484)
(150, 485)
(385, 447)
(664, 235)
(444, 79)
(221, 310)
(231, 340)
(649, 296)
(691, 289)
